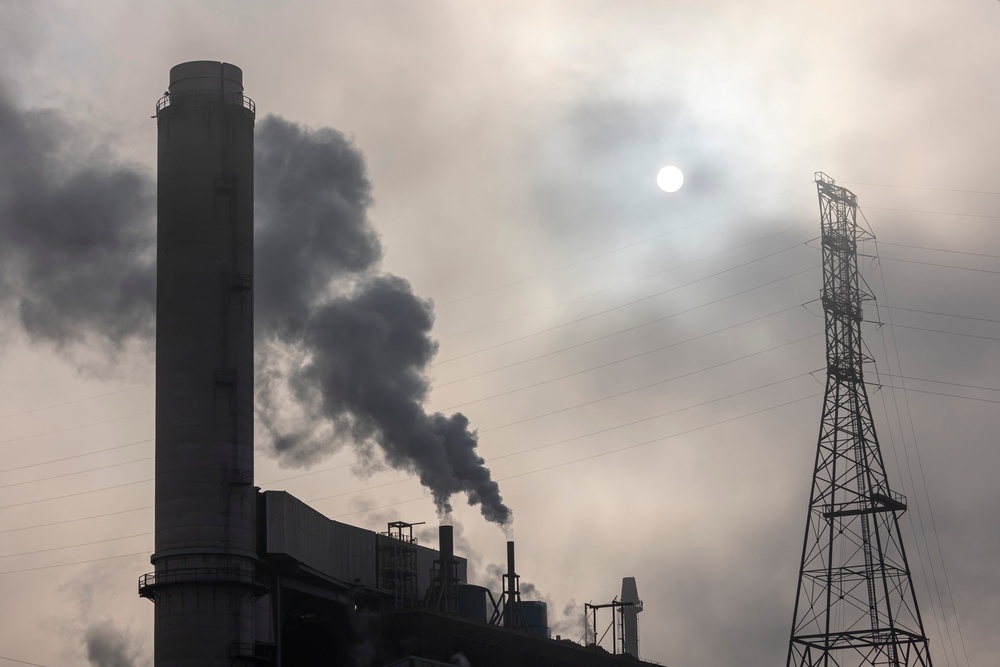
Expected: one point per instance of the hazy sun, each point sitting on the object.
(670, 179)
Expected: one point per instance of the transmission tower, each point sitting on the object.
(855, 603)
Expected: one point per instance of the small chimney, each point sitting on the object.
(630, 617)
(443, 593)
(512, 592)
(446, 544)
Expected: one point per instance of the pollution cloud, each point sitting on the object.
(108, 646)
(340, 345)
(355, 342)
(77, 235)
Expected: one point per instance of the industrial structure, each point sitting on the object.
(244, 577)
(855, 604)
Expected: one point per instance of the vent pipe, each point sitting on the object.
(630, 617)
(443, 591)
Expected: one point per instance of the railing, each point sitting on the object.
(148, 583)
(230, 98)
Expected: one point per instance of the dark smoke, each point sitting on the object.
(358, 341)
(107, 646)
(341, 345)
(77, 235)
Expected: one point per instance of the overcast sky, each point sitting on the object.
(645, 371)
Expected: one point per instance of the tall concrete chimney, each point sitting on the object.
(204, 583)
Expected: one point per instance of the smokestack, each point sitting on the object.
(203, 586)
(512, 594)
(446, 543)
(443, 591)
(630, 617)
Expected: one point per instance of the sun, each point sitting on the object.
(670, 179)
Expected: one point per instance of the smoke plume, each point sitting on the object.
(356, 342)
(342, 349)
(107, 646)
(77, 235)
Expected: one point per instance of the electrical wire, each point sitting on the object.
(77, 456)
(75, 428)
(924, 482)
(917, 187)
(83, 518)
(78, 472)
(621, 449)
(646, 419)
(623, 305)
(931, 312)
(619, 285)
(627, 329)
(619, 249)
(79, 493)
(950, 333)
(660, 382)
(78, 400)
(960, 215)
(21, 662)
(78, 562)
(617, 361)
(955, 252)
(73, 546)
(939, 265)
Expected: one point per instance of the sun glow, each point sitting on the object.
(670, 179)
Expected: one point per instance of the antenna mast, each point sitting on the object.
(855, 604)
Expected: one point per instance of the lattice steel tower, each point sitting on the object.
(855, 603)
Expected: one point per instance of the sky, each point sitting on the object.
(643, 371)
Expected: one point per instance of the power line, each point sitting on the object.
(614, 451)
(78, 472)
(931, 312)
(619, 285)
(78, 400)
(953, 384)
(20, 662)
(630, 391)
(950, 333)
(618, 361)
(75, 428)
(83, 518)
(627, 329)
(954, 252)
(907, 210)
(907, 390)
(937, 264)
(71, 495)
(78, 562)
(917, 187)
(77, 456)
(73, 546)
(920, 467)
(586, 435)
(646, 419)
(619, 249)
(623, 305)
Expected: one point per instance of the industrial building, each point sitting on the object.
(244, 577)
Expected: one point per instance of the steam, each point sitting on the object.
(76, 235)
(351, 344)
